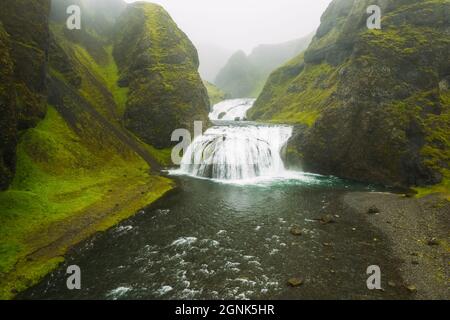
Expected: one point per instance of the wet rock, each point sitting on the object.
(392, 284)
(296, 230)
(326, 219)
(373, 210)
(433, 242)
(295, 282)
(221, 115)
(411, 288)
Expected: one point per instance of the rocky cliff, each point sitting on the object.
(374, 104)
(67, 98)
(159, 64)
(24, 40)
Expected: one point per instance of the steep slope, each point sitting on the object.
(159, 64)
(215, 94)
(79, 170)
(244, 76)
(374, 103)
(24, 38)
(238, 76)
(8, 117)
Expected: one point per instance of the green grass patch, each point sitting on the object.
(57, 177)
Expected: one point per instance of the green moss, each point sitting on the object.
(159, 64)
(441, 188)
(59, 176)
(294, 94)
(214, 93)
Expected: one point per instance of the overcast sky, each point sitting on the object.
(244, 24)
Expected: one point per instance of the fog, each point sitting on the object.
(244, 24)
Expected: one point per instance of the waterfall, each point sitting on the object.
(231, 110)
(236, 150)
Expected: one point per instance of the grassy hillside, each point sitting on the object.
(374, 102)
(79, 170)
(215, 94)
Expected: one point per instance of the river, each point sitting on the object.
(225, 232)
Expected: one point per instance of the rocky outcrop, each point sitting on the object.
(158, 63)
(24, 40)
(8, 118)
(376, 102)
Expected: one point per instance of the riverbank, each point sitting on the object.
(43, 247)
(418, 233)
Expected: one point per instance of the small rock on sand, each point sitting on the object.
(295, 282)
(373, 210)
(296, 230)
(328, 218)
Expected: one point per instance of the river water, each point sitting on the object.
(225, 236)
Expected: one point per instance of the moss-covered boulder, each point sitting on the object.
(376, 102)
(158, 63)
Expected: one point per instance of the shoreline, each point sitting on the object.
(48, 245)
(418, 234)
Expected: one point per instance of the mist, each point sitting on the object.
(243, 24)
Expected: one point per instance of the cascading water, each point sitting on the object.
(236, 151)
(231, 110)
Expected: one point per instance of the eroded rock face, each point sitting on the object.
(24, 40)
(374, 100)
(159, 65)
(8, 117)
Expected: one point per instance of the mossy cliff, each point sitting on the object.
(8, 117)
(24, 38)
(374, 104)
(214, 93)
(78, 168)
(158, 64)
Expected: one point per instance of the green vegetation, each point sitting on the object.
(376, 101)
(60, 177)
(79, 170)
(23, 41)
(214, 93)
(165, 89)
(300, 96)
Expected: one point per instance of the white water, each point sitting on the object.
(236, 152)
(230, 110)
